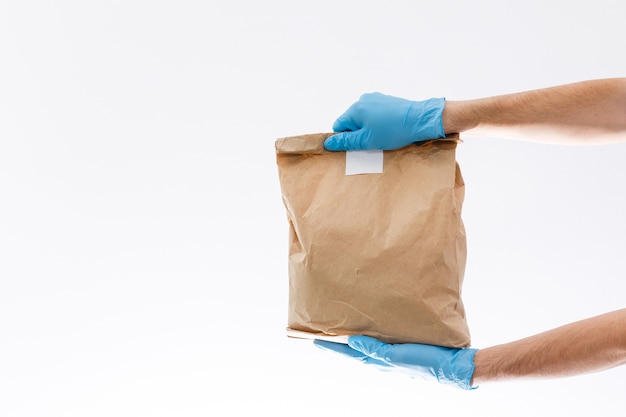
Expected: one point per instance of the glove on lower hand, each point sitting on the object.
(446, 365)
(378, 121)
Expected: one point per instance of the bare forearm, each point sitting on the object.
(582, 347)
(590, 111)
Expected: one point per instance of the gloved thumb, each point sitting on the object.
(346, 141)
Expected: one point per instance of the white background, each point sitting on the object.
(143, 241)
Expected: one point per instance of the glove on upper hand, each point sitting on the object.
(446, 365)
(378, 121)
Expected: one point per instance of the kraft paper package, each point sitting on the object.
(378, 253)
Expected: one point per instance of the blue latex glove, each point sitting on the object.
(378, 121)
(448, 366)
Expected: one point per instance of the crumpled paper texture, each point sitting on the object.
(381, 255)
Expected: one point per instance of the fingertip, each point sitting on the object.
(322, 344)
(365, 344)
(345, 123)
(334, 143)
(338, 126)
(340, 348)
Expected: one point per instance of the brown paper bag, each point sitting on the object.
(376, 254)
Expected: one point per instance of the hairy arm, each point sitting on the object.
(581, 113)
(585, 346)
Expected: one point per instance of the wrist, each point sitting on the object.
(458, 117)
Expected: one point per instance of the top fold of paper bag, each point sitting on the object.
(314, 143)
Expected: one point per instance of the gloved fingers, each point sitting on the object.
(345, 123)
(346, 350)
(354, 118)
(336, 142)
(347, 141)
(341, 348)
(371, 347)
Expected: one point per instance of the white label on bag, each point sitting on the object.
(364, 162)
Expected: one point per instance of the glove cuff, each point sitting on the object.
(425, 117)
(462, 369)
